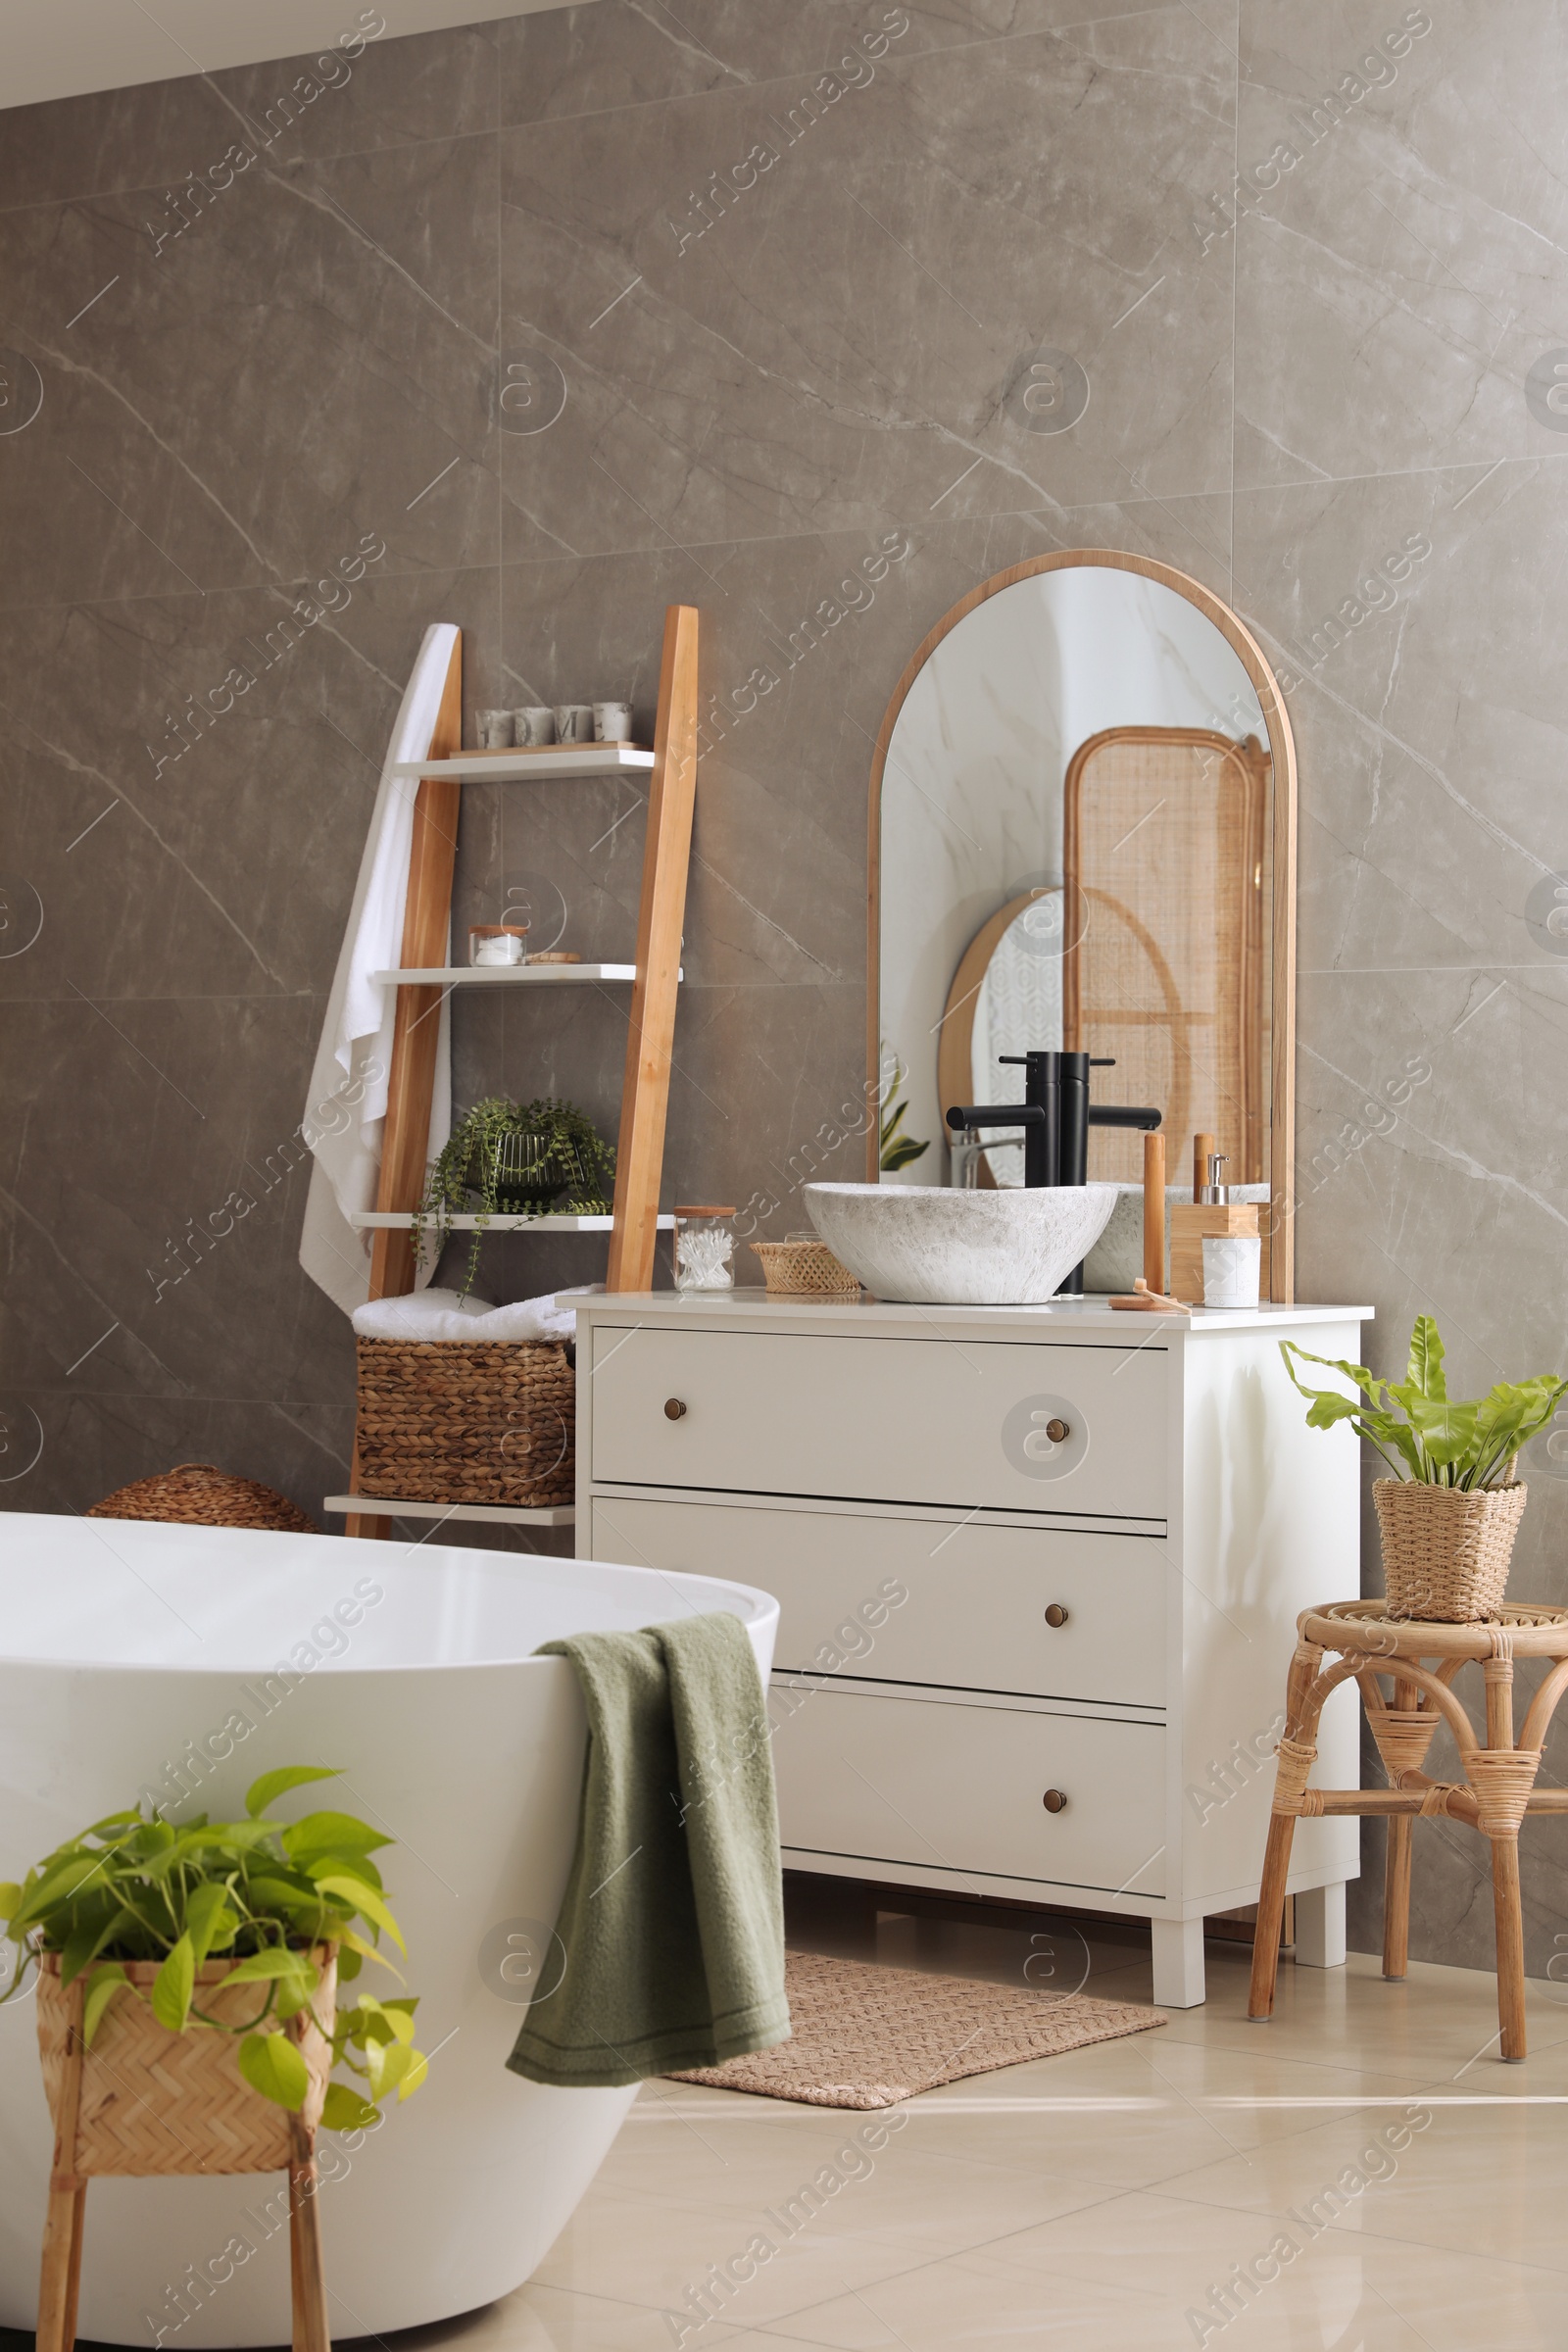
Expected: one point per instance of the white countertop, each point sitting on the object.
(1061, 1318)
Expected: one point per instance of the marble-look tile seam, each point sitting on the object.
(68, 366)
(282, 166)
(778, 2326)
(1382, 290)
(1464, 1161)
(385, 571)
(884, 2239)
(85, 769)
(142, 1392)
(21, 1210)
(905, 58)
(331, 207)
(1355, 2235)
(318, 997)
(535, 123)
(1372, 971)
(390, 569)
(685, 43)
(217, 996)
(1396, 474)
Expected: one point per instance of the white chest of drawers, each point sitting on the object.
(1039, 1570)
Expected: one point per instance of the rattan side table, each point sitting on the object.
(1496, 1792)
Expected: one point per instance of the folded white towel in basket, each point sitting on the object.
(434, 1314)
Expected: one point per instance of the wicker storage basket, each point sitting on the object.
(1445, 1553)
(803, 1269)
(454, 1421)
(200, 1494)
(158, 2102)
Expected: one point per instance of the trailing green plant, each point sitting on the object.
(897, 1150)
(1435, 1441)
(260, 1892)
(466, 1170)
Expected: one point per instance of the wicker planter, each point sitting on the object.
(805, 1270)
(152, 2101)
(450, 1421)
(200, 1494)
(1445, 1553)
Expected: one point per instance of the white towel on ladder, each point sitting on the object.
(345, 1113)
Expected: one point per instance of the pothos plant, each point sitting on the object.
(469, 1167)
(1435, 1441)
(258, 1892)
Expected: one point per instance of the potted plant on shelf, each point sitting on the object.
(231, 1939)
(513, 1157)
(1449, 1514)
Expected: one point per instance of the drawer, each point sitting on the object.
(959, 1788)
(933, 1421)
(972, 1611)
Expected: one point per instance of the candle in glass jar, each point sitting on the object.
(497, 943)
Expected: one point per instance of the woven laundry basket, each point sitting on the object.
(460, 1421)
(804, 1269)
(1445, 1552)
(200, 1494)
(156, 2102)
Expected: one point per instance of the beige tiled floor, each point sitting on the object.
(1097, 2200)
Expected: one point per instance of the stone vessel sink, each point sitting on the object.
(926, 1245)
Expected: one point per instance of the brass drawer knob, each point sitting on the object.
(673, 1408)
(1054, 1800)
(1056, 1615)
(1057, 1432)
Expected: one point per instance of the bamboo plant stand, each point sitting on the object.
(109, 2129)
(1496, 1792)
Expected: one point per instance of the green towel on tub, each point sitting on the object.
(672, 1921)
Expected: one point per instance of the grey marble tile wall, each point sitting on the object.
(1314, 262)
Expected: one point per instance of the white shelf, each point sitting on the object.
(510, 975)
(529, 767)
(370, 1220)
(494, 1514)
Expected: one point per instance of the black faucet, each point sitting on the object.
(1055, 1116)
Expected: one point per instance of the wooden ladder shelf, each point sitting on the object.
(650, 1032)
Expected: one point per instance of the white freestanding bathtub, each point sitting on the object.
(144, 1659)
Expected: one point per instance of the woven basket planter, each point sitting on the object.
(156, 2102)
(200, 1494)
(804, 1269)
(450, 1421)
(1445, 1553)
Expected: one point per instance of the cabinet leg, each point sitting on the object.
(1178, 1963)
(1320, 1927)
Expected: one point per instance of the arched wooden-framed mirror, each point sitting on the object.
(1083, 833)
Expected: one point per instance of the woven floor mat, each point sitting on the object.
(869, 2036)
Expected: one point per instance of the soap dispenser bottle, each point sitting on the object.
(1212, 1214)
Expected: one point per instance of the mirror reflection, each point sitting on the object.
(1076, 853)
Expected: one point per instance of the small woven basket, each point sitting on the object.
(460, 1421)
(802, 1269)
(200, 1494)
(158, 2102)
(1445, 1553)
